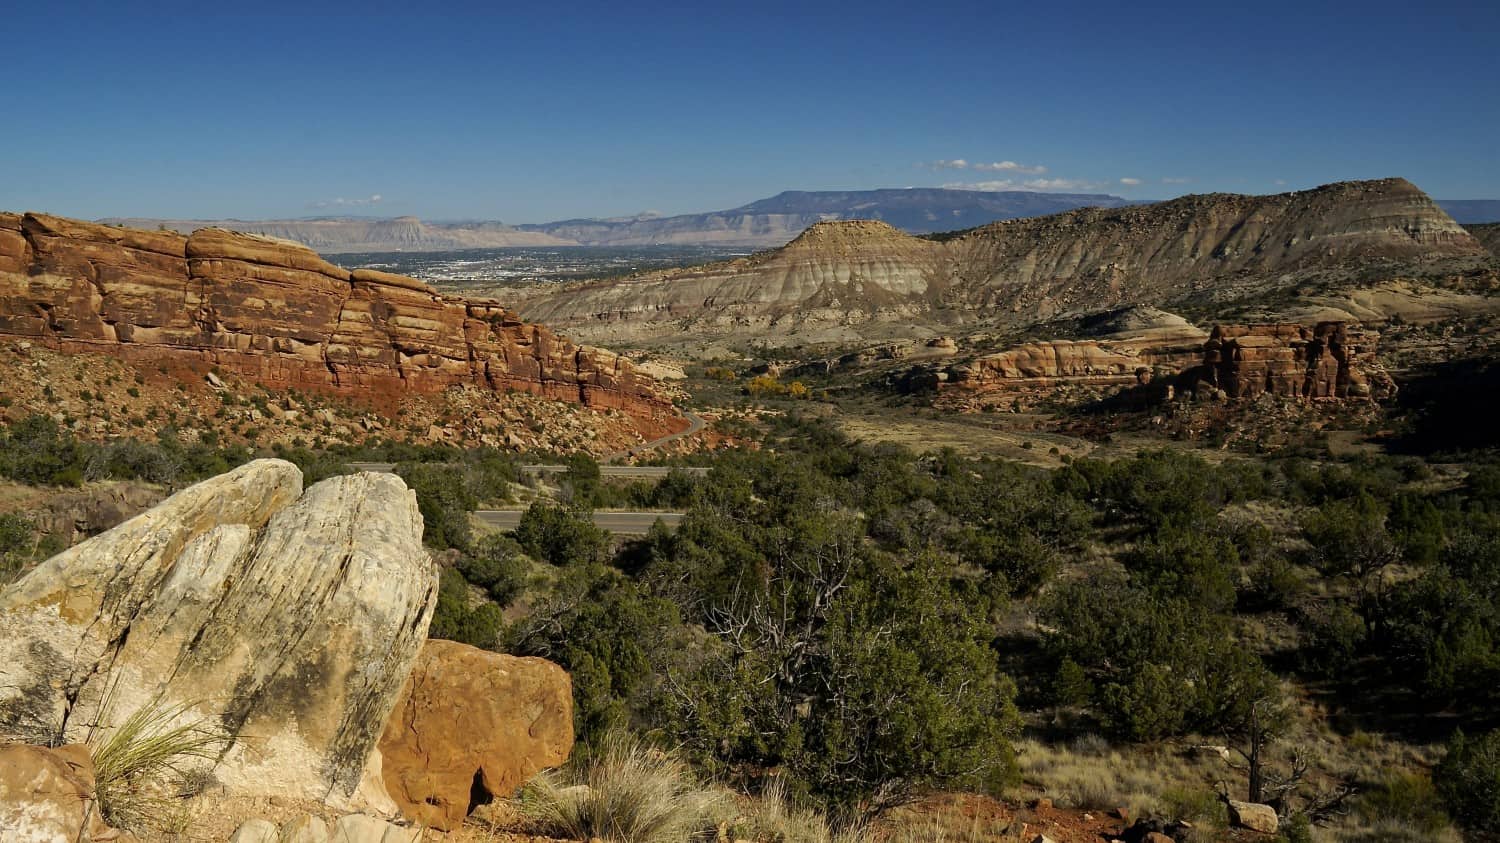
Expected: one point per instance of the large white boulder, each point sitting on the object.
(288, 620)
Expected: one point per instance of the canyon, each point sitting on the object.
(217, 302)
(848, 281)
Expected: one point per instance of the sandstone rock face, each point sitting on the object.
(1024, 270)
(275, 312)
(1329, 360)
(287, 619)
(1085, 362)
(471, 722)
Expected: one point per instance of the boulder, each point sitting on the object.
(1254, 816)
(254, 831)
(304, 829)
(473, 725)
(47, 796)
(360, 828)
(288, 619)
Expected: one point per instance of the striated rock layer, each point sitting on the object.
(286, 620)
(1329, 360)
(277, 313)
(1025, 270)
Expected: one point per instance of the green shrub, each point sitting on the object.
(498, 565)
(561, 536)
(1468, 778)
(455, 620)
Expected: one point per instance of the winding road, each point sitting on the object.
(695, 424)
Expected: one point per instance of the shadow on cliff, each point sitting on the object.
(1449, 408)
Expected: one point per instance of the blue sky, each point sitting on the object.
(538, 111)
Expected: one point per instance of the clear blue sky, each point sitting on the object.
(548, 110)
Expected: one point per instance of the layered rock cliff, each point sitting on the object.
(1329, 360)
(277, 313)
(1024, 270)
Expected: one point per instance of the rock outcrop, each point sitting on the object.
(47, 796)
(473, 725)
(855, 275)
(1100, 363)
(1253, 815)
(276, 313)
(287, 619)
(1329, 360)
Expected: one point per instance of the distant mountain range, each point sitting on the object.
(338, 235)
(1467, 211)
(775, 221)
(764, 223)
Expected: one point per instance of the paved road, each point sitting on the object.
(638, 471)
(622, 523)
(695, 424)
(635, 471)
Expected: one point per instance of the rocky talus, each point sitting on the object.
(277, 313)
(286, 619)
(1020, 271)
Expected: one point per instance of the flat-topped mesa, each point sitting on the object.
(1331, 360)
(849, 274)
(277, 313)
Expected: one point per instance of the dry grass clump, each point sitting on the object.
(1090, 774)
(625, 792)
(774, 817)
(134, 761)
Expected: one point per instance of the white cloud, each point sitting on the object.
(1130, 182)
(1044, 185)
(1280, 182)
(1011, 167)
(1172, 180)
(345, 203)
(987, 166)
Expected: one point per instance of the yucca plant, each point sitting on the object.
(625, 792)
(133, 760)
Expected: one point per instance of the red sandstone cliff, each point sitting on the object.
(277, 313)
(1329, 360)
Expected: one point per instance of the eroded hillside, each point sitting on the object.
(845, 281)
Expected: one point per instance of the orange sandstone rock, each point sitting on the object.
(471, 725)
